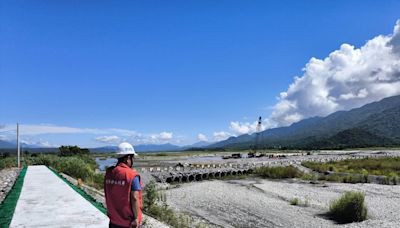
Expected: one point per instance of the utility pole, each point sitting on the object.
(18, 151)
(259, 125)
(258, 130)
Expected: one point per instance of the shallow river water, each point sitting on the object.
(103, 163)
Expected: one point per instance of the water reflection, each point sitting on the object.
(103, 163)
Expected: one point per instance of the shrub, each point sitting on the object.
(294, 201)
(310, 177)
(349, 208)
(8, 162)
(298, 202)
(75, 167)
(393, 177)
(333, 178)
(385, 180)
(47, 160)
(150, 196)
(72, 150)
(97, 180)
(161, 154)
(278, 172)
(355, 179)
(332, 168)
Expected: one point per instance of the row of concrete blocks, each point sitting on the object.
(242, 166)
(194, 167)
(252, 165)
(199, 176)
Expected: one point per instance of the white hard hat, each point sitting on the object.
(125, 149)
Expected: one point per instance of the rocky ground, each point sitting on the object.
(7, 179)
(266, 203)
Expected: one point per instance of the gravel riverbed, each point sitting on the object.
(266, 203)
(7, 179)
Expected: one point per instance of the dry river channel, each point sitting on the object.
(256, 202)
(266, 203)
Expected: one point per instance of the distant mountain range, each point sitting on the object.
(107, 149)
(13, 144)
(374, 124)
(200, 144)
(5, 144)
(139, 148)
(152, 147)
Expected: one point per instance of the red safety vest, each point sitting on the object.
(117, 189)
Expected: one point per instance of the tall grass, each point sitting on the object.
(298, 202)
(8, 162)
(278, 172)
(352, 178)
(348, 208)
(78, 166)
(369, 166)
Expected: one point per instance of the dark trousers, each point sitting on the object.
(116, 226)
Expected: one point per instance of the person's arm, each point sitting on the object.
(105, 188)
(135, 207)
(135, 204)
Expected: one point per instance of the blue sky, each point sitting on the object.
(94, 73)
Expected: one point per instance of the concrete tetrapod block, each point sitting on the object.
(198, 177)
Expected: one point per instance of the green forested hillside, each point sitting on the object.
(374, 124)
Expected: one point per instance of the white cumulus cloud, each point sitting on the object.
(112, 139)
(221, 135)
(46, 144)
(159, 138)
(166, 135)
(202, 137)
(41, 129)
(348, 78)
(240, 128)
(248, 128)
(111, 136)
(37, 143)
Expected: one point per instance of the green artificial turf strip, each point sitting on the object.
(7, 207)
(82, 193)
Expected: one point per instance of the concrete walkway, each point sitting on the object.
(47, 201)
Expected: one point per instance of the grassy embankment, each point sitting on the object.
(8, 162)
(278, 172)
(358, 170)
(346, 171)
(373, 166)
(77, 166)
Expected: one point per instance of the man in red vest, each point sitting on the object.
(123, 191)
